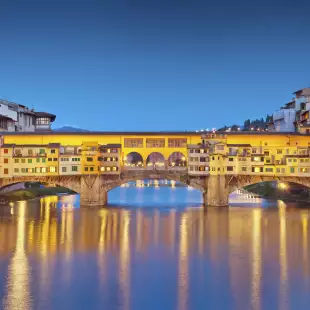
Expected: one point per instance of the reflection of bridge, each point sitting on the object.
(94, 163)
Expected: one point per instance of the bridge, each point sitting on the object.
(92, 164)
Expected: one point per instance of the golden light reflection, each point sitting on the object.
(183, 264)
(124, 260)
(256, 259)
(18, 296)
(283, 289)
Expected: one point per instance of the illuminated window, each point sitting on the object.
(43, 170)
(114, 168)
(304, 170)
(102, 168)
(38, 170)
(108, 168)
(52, 169)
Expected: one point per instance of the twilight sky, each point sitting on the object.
(153, 65)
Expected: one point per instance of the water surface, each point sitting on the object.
(153, 249)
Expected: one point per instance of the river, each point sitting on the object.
(154, 249)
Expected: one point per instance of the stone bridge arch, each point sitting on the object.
(196, 183)
(70, 182)
(237, 182)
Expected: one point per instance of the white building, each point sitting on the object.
(17, 117)
(294, 115)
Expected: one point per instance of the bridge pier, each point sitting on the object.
(93, 192)
(217, 193)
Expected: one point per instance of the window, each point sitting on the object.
(292, 170)
(64, 169)
(5, 151)
(6, 160)
(91, 169)
(30, 152)
(269, 169)
(202, 151)
(52, 169)
(254, 150)
(301, 160)
(43, 160)
(191, 168)
(42, 151)
(55, 159)
(202, 159)
(16, 160)
(24, 170)
(289, 160)
(38, 160)
(244, 169)
(279, 151)
(257, 169)
(86, 169)
(74, 168)
(133, 143)
(154, 143)
(304, 170)
(38, 170)
(23, 160)
(182, 142)
(53, 151)
(16, 170)
(220, 147)
(29, 161)
(230, 168)
(43, 121)
(89, 159)
(5, 171)
(50, 159)
(230, 159)
(43, 170)
(266, 153)
(102, 168)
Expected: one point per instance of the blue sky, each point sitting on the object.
(153, 65)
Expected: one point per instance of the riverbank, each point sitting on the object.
(268, 191)
(31, 193)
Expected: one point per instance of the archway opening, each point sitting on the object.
(177, 159)
(270, 192)
(32, 189)
(133, 160)
(155, 193)
(155, 160)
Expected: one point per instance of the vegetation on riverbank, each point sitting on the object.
(35, 192)
(268, 190)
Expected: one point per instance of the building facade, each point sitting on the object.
(19, 118)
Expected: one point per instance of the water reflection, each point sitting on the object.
(54, 255)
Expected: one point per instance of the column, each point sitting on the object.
(93, 192)
(216, 194)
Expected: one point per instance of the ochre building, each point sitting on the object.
(93, 163)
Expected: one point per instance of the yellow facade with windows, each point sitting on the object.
(234, 153)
